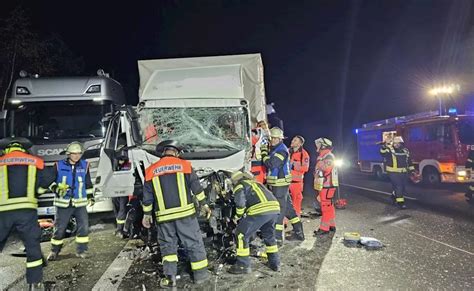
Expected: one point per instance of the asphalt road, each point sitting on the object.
(428, 246)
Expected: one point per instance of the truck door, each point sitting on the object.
(115, 174)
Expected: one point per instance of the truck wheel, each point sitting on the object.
(378, 173)
(431, 176)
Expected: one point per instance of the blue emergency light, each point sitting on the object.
(356, 131)
(452, 111)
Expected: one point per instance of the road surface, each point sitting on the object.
(428, 246)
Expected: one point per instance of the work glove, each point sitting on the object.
(236, 219)
(206, 211)
(60, 189)
(264, 148)
(90, 199)
(147, 220)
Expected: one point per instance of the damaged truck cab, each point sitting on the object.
(207, 104)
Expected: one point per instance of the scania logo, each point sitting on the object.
(49, 152)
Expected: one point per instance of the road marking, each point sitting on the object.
(434, 240)
(113, 276)
(377, 191)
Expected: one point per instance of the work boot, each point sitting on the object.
(201, 277)
(53, 256)
(35, 287)
(168, 281)
(83, 255)
(402, 206)
(239, 269)
(275, 268)
(296, 236)
(321, 232)
(332, 228)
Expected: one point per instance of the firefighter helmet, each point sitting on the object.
(398, 139)
(166, 145)
(323, 143)
(276, 132)
(11, 144)
(74, 147)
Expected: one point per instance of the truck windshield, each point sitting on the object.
(466, 131)
(197, 129)
(59, 120)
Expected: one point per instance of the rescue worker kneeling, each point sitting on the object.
(169, 185)
(21, 175)
(257, 209)
(74, 191)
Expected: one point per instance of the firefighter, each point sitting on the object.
(470, 168)
(169, 185)
(299, 163)
(256, 209)
(278, 180)
(398, 164)
(325, 183)
(74, 191)
(120, 203)
(22, 176)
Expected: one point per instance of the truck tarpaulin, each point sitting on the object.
(250, 83)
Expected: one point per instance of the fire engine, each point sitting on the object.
(439, 145)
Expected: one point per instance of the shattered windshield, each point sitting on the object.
(197, 129)
(60, 120)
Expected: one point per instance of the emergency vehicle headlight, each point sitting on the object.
(339, 163)
(93, 89)
(22, 91)
(462, 173)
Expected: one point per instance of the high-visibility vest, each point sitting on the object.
(75, 177)
(26, 199)
(172, 194)
(280, 176)
(258, 199)
(325, 172)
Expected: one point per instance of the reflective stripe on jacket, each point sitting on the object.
(278, 166)
(253, 198)
(299, 163)
(396, 160)
(169, 187)
(325, 172)
(19, 179)
(77, 177)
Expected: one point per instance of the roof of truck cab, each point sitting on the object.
(68, 88)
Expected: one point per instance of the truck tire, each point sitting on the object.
(431, 176)
(378, 173)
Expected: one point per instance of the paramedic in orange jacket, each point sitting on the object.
(326, 183)
(259, 137)
(299, 164)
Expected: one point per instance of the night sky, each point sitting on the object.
(329, 65)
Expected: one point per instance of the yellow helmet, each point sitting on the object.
(276, 132)
(74, 147)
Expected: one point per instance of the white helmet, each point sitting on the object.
(74, 148)
(323, 142)
(398, 139)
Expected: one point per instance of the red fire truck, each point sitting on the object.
(439, 145)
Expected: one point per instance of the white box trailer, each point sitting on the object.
(206, 104)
